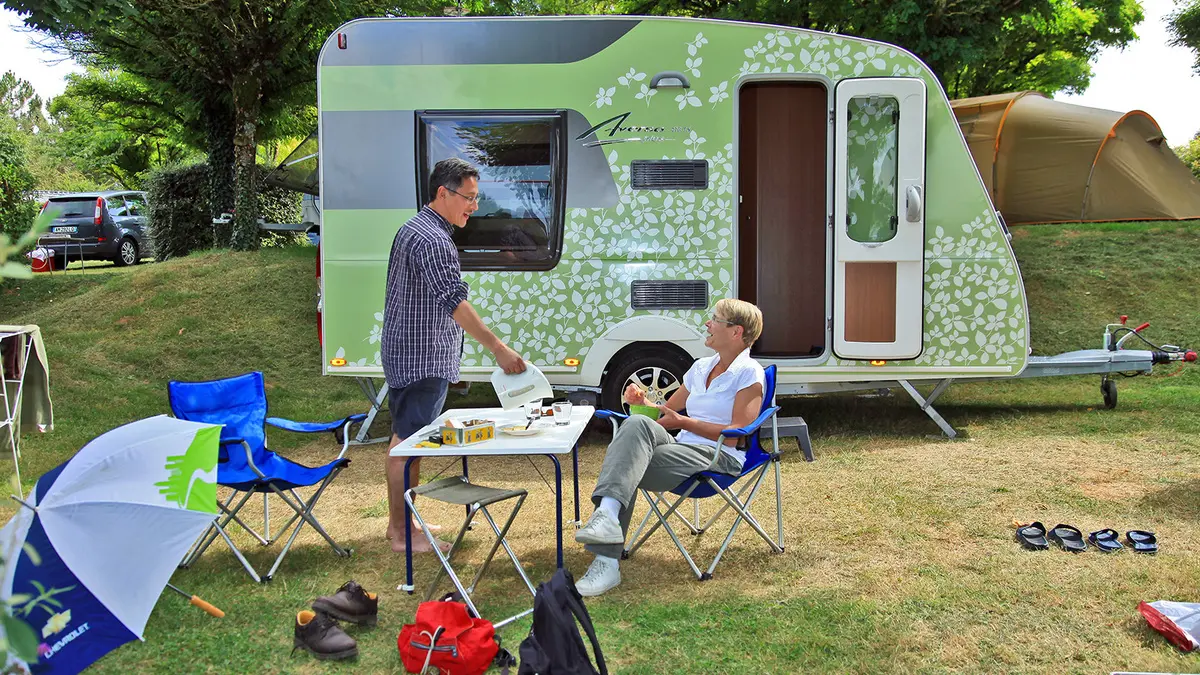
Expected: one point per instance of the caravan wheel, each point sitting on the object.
(659, 371)
(1108, 389)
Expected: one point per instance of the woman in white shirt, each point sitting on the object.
(723, 391)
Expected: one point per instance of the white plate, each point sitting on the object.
(519, 430)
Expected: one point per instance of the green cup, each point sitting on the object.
(647, 410)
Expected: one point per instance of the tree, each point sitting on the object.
(38, 138)
(1049, 51)
(21, 103)
(236, 63)
(974, 47)
(116, 128)
(1184, 27)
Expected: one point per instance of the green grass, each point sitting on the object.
(899, 553)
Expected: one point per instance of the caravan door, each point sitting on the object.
(879, 218)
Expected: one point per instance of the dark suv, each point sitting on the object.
(97, 226)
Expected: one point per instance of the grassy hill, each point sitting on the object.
(900, 555)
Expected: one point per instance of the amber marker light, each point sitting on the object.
(571, 362)
(879, 363)
(337, 363)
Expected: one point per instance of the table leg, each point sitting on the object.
(468, 477)
(408, 570)
(575, 478)
(558, 506)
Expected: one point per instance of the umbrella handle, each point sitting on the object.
(207, 607)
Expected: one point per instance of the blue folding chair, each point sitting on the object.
(240, 405)
(710, 483)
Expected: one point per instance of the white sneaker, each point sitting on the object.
(603, 575)
(601, 528)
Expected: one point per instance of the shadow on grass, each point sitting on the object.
(1181, 500)
(900, 417)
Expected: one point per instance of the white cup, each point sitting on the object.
(562, 412)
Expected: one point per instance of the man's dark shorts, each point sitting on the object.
(416, 405)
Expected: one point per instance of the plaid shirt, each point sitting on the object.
(424, 286)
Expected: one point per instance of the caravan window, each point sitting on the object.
(522, 168)
(871, 136)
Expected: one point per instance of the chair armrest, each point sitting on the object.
(747, 430)
(612, 416)
(316, 427)
(753, 426)
(313, 427)
(249, 454)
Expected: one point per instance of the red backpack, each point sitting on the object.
(446, 639)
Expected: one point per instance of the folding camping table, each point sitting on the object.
(552, 440)
(66, 241)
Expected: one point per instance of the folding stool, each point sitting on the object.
(477, 498)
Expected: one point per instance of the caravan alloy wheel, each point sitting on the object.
(659, 372)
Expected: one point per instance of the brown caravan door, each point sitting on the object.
(879, 218)
(783, 130)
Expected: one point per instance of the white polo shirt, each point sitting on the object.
(714, 403)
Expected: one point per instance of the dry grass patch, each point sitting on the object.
(916, 535)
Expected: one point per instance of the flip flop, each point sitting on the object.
(1069, 538)
(1106, 540)
(1032, 536)
(1142, 541)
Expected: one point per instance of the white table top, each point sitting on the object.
(552, 438)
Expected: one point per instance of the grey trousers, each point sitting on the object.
(644, 455)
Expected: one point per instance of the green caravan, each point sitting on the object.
(635, 170)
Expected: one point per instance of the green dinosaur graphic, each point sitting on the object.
(191, 482)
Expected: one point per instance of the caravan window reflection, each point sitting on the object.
(522, 167)
(871, 163)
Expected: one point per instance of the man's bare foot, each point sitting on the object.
(391, 534)
(420, 545)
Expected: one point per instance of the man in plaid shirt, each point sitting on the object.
(424, 316)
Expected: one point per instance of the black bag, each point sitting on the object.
(554, 646)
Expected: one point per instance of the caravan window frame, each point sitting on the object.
(556, 214)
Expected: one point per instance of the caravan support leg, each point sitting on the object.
(377, 397)
(927, 404)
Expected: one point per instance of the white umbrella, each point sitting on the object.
(109, 526)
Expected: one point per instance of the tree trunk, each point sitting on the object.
(247, 95)
(218, 123)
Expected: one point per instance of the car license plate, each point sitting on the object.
(64, 230)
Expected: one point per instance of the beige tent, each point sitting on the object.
(1046, 161)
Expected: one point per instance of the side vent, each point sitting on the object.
(669, 174)
(669, 294)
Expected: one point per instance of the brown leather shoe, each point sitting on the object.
(319, 634)
(351, 603)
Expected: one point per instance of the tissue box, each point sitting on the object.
(472, 431)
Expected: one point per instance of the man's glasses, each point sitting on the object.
(473, 200)
(714, 319)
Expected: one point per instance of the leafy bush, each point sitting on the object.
(17, 211)
(283, 240)
(179, 219)
(278, 205)
(1190, 155)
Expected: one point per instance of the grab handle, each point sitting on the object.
(657, 80)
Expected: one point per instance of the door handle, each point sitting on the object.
(913, 204)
